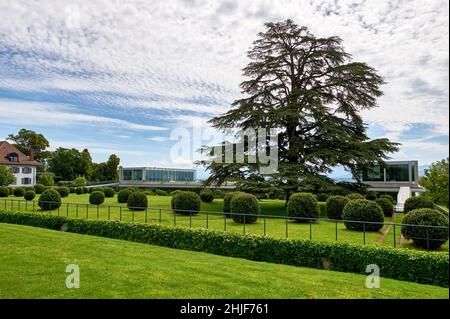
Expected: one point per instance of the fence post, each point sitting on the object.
(76, 211)
(286, 227)
(190, 219)
(98, 208)
(428, 239)
(26, 205)
(146, 215)
(18, 205)
(244, 224)
(87, 211)
(207, 220)
(109, 212)
(33, 206)
(160, 215)
(336, 230)
(224, 221)
(364, 232)
(67, 210)
(264, 226)
(310, 230)
(174, 217)
(132, 216)
(395, 237)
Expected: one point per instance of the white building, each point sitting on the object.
(23, 167)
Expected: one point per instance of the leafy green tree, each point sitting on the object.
(66, 163)
(436, 182)
(106, 171)
(6, 176)
(310, 91)
(86, 163)
(28, 141)
(47, 179)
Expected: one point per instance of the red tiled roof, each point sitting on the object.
(6, 149)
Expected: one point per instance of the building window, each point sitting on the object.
(374, 174)
(13, 157)
(26, 181)
(15, 170)
(26, 170)
(397, 173)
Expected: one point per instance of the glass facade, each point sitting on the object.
(375, 174)
(392, 172)
(158, 175)
(397, 173)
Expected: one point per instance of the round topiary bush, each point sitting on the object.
(122, 196)
(97, 198)
(4, 191)
(173, 193)
(206, 195)
(39, 188)
(417, 202)
(50, 199)
(19, 192)
(354, 196)
(418, 234)
(371, 196)
(303, 205)
(79, 191)
(247, 206)
(109, 192)
(218, 193)
(363, 210)
(386, 205)
(29, 195)
(63, 191)
(11, 190)
(137, 201)
(389, 197)
(227, 199)
(28, 188)
(335, 206)
(186, 203)
(85, 190)
(161, 192)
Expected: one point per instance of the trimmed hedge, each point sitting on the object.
(335, 206)
(186, 203)
(19, 192)
(425, 216)
(63, 191)
(416, 202)
(39, 188)
(97, 198)
(50, 200)
(372, 195)
(122, 196)
(4, 191)
(137, 201)
(29, 195)
(247, 205)
(303, 205)
(401, 264)
(109, 192)
(206, 195)
(227, 199)
(354, 196)
(363, 210)
(80, 191)
(388, 197)
(386, 205)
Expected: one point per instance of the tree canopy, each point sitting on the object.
(27, 141)
(311, 91)
(435, 181)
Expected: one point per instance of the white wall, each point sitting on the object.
(21, 175)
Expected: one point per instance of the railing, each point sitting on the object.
(211, 218)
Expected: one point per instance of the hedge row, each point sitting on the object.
(407, 265)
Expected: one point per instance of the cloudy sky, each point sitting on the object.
(120, 76)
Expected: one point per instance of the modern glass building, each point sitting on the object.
(156, 174)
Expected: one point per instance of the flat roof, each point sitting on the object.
(159, 168)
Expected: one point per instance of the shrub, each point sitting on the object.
(72, 190)
(322, 197)
(122, 196)
(206, 195)
(227, 199)
(353, 196)
(79, 191)
(29, 195)
(218, 193)
(137, 201)
(303, 205)
(63, 191)
(335, 206)
(389, 197)
(109, 192)
(363, 210)
(149, 193)
(371, 196)
(186, 203)
(386, 205)
(97, 198)
(39, 188)
(416, 202)
(80, 181)
(11, 190)
(247, 206)
(425, 216)
(50, 200)
(262, 196)
(98, 189)
(85, 190)
(400, 264)
(4, 191)
(161, 192)
(19, 192)
(28, 188)
(46, 179)
(133, 189)
(173, 193)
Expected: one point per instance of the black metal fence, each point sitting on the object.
(209, 219)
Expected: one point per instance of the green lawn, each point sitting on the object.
(34, 260)
(76, 206)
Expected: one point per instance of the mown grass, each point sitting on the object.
(34, 261)
(76, 206)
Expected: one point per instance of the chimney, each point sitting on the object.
(31, 155)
